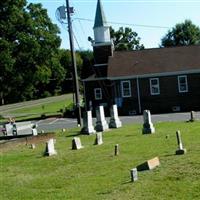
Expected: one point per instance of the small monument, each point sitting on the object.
(134, 175)
(149, 164)
(114, 118)
(101, 124)
(148, 127)
(98, 139)
(76, 143)
(116, 150)
(32, 146)
(50, 150)
(192, 116)
(88, 127)
(180, 150)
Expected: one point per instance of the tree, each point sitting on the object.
(29, 45)
(182, 34)
(125, 39)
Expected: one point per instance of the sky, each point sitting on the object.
(151, 19)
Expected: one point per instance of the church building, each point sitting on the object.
(159, 79)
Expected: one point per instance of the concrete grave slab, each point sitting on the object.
(149, 164)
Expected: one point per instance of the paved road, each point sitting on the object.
(53, 124)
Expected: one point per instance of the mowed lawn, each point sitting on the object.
(95, 173)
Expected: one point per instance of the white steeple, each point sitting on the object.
(101, 29)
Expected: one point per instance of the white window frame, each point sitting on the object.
(129, 88)
(97, 93)
(179, 84)
(156, 85)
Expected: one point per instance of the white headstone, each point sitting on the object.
(88, 127)
(34, 131)
(98, 139)
(50, 150)
(114, 118)
(101, 123)
(76, 143)
(148, 127)
(134, 175)
(9, 129)
(180, 150)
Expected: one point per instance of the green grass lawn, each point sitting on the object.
(95, 173)
(46, 108)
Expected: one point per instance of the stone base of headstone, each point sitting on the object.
(134, 175)
(101, 126)
(88, 130)
(76, 143)
(115, 123)
(98, 139)
(148, 129)
(149, 164)
(181, 151)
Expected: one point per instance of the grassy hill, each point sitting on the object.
(35, 108)
(95, 173)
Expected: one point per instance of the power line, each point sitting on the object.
(129, 24)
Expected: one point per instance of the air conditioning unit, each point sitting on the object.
(176, 108)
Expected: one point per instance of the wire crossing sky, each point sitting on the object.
(151, 19)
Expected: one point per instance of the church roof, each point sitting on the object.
(100, 19)
(154, 61)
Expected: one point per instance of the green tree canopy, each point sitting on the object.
(182, 34)
(29, 45)
(125, 39)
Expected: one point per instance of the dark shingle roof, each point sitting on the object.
(150, 61)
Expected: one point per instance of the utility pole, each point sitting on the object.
(75, 76)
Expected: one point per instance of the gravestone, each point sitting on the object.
(134, 175)
(114, 118)
(88, 127)
(98, 139)
(148, 127)
(76, 143)
(32, 146)
(192, 116)
(149, 164)
(9, 129)
(101, 123)
(180, 150)
(116, 150)
(50, 150)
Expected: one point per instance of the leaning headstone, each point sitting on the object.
(180, 149)
(50, 150)
(149, 164)
(101, 123)
(134, 175)
(98, 139)
(114, 118)
(192, 116)
(148, 127)
(88, 127)
(116, 150)
(76, 143)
